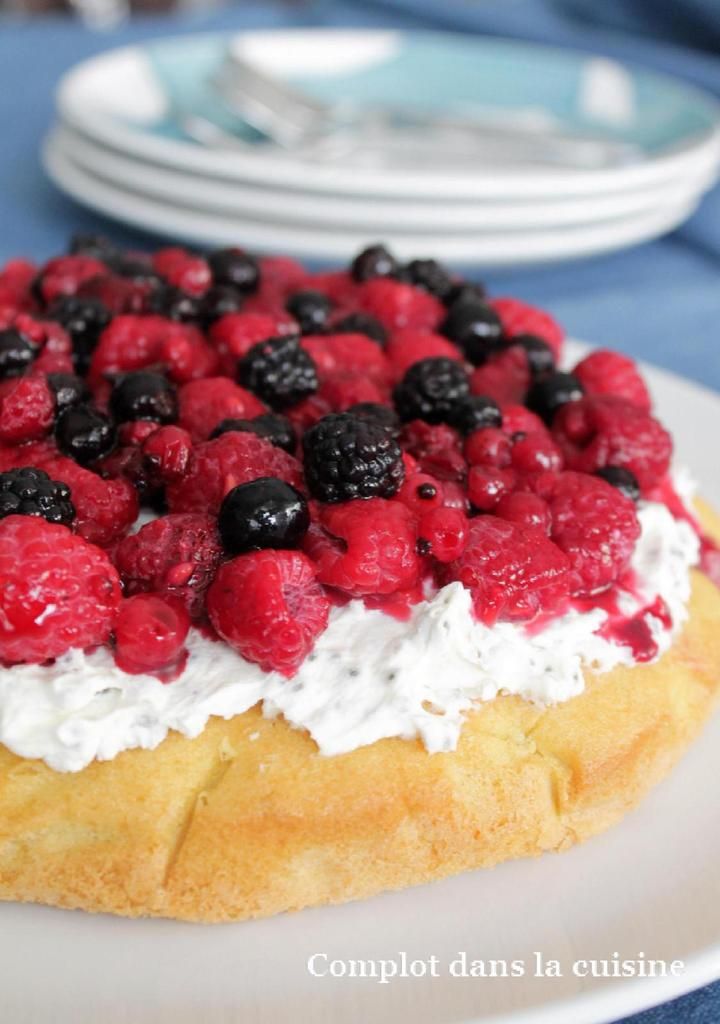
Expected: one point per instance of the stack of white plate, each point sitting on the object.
(567, 154)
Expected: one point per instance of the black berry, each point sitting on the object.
(540, 357)
(16, 353)
(475, 412)
(361, 323)
(385, 415)
(218, 301)
(68, 390)
(31, 492)
(464, 292)
(264, 513)
(144, 395)
(431, 389)
(347, 457)
(375, 261)
(279, 371)
(476, 328)
(84, 320)
(430, 275)
(84, 434)
(276, 429)
(235, 268)
(311, 310)
(625, 481)
(94, 247)
(175, 304)
(551, 391)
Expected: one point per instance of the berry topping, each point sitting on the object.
(263, 513)
(279, 371)
(84, 434)
(144, 396)
(385, 415)
(551, 392)
(375, 261)
(361, 323)
(611, 373)
(310, 309)
(625, 481)
(174, 304)
(276, 429)
(269, 606)
(235, 268)
(475, 412)
(57, 591)
(504, 377)
(476, 328)
(27, 409)
(68, 390)
(84, 319)
(397, 305)
(16, 353)
(540, 356)
(525, 509)
(31, 492)
(349, 457)
(430, 275)
(519, 317)
(408, 347)
(150, 635)
(205, 403)
(218, 301)
(431, 390)
(442, 533)
(182, 270)
(466, 291)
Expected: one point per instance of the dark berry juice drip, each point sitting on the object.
(636, 633)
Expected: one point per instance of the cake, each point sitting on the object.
(314, 585)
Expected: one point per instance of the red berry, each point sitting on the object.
(505, 377)
(487, 485)
(136, 342)
(357, 354)
(536, 452)
(519, 420)
(216, 466)
(175, 556)
(57, 591)
(203, 404)
(106, 509)
(121, 295)
(346, 389)
(397, 305)
(234, 334)
(167, 453)
(181, 269)
(420, 492)
(338, 285)
(150, 635)
(596, 526)
(444, 532)
(525, 509)
(407, 347)
(488, 447)
(437, 448)
(608, 431)
(610, 373)
(269, 606)
(519, 317)
(27, 409)
(365, 547)
(513, 572)
(65, 274)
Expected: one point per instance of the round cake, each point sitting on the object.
(316, 585)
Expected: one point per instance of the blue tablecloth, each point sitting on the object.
(659, 301)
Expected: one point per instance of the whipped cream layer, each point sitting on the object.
(369, 676)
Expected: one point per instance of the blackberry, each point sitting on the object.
(16, 353)
(31, 492)
(625, 481)
(144, 395)
(235, 268)
(84, 434)
(431, 389)
(135, 269)
(263, 513)
(430, 275)
(463, 292)
(68, 390)
(347, 457)
(84, 320)
(279, 372)
(276, 429)
(377, 413)
(548, 393)
(540, 357)
(311, 310)
(219, 300)
(476, 328)
(375, 261)
(171, 302)
(476, 412)
(361, 323)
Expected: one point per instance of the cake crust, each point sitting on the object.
(249, 819)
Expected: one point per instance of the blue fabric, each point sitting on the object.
(659, 301)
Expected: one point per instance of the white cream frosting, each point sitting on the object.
(369, 676)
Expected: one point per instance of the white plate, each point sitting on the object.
(371, 214)
(481, 249)
(650, 885)
(132, 99)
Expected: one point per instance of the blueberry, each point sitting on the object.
(476, 328)
(68, 390)
(625, 481)
(218, 301)
(375, 261)
(16, 353)
(144, 396)
(264, 513)
(550, 392)
(235, 268)
(540, 357)
(361, 323)
(84, 320)
(84, 434)
(276, 429)
(311, 310)
(175, 304)
(463, 292)
(475, 412)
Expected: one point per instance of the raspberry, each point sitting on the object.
(16, 279)
(596, 526)
(525, 509)
(487, 485)
(27, 409)
(606, 431)
(234, 335)
(279, 371)
(404, 348)
(269, 606)
(105, 509)
(513, 572)
(505, 377)
(150, 636)
(519, 420)
(366, 547)
(519, 317)
(348, 457)
(280, 274)
(141, 342)
(215, 467)
(120, 295)
(431, 390)
(31, 492)
(57, 591)
(442, 533)
(348, 389)
(611, 373)
(65, 274)
(348, 354)
(205, 403)
(167, 453)
(488, 447)
(535, 452)
(397, 305)
(436, 448)
(175, 556)
(181, 269)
